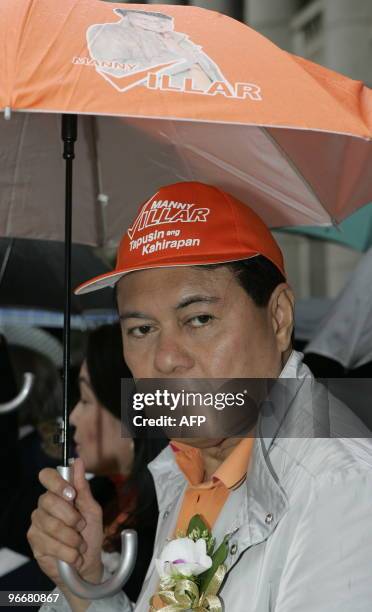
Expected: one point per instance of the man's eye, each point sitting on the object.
(140, 331)
(200, 320)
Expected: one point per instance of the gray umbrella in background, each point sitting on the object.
(36, 340)
(32, 293)
(32, 275)
(32, 285)
(40, 344)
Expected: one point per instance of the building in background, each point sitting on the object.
(338, 35)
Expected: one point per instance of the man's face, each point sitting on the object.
(150, 22)
(189, 322)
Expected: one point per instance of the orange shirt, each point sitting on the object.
(208, 498)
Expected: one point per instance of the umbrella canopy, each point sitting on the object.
(355, 232)
(345, 333)
(32, 275)
(35, 339)
(288, 137)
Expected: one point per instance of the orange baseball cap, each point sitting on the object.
(187, 224)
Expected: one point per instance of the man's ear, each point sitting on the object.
(281, 309)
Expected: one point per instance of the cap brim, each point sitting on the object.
(109, 279)
(100, 282)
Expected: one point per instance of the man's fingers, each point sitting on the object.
(59, 490)
(57, 529)
(85, 501)
(54, 482)
(80, 482)
(45, 546)
(60, 509)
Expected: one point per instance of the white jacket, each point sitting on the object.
(302, 521)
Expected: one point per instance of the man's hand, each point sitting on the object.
(67, 525)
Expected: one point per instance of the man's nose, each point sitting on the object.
(171, 357)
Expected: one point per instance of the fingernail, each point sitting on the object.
(79, 562)
(81, 525)
(68, 493)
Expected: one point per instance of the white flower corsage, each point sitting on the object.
(191, 571)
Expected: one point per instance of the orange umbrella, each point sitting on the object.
(172, 93)
(202, 97)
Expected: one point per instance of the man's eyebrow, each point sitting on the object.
(194, 299)
(133, 314)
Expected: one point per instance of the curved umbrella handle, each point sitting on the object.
(28, 380)
(87, 590)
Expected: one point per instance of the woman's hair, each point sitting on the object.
(106, 367)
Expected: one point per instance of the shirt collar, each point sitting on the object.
(294, 367)
(230, 473)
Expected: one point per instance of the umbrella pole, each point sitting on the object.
(81, 588)
(69, 136)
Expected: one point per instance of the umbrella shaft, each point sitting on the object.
(69, 135)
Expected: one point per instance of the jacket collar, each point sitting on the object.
(282, 397)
